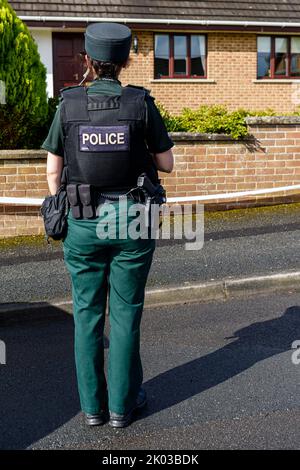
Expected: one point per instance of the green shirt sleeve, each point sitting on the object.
(157, 137)
(54, 140)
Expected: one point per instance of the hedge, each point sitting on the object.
(213, 119)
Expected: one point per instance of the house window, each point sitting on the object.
(180, 56)
(278, 57)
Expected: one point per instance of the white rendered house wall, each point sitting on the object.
(43, 39)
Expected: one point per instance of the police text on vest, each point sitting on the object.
(103, 138)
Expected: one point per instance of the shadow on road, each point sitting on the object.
(38, 383)
(252, 344)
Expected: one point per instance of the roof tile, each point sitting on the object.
(260, 10)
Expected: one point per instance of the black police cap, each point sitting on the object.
(109, 42)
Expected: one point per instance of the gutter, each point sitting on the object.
(88, 19)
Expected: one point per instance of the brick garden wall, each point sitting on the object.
(22, 174)
(231, 77)
(204, 164)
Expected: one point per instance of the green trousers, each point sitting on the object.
(117, 268)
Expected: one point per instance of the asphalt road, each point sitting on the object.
(218, 375)
(237, 243)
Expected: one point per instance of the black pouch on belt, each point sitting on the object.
(72, 192)
(55, 211)
(86, 198)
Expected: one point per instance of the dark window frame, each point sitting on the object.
(188, 57)
(274, 76)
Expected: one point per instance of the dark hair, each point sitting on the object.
(105, 69)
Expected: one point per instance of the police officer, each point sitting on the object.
(102, 138)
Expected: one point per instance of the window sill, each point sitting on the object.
(277, 80)
(182, 80)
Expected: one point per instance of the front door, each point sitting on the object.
(68, 64)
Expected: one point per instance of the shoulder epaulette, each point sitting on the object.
(70, 87)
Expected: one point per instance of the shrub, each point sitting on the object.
(26, 109)
(211, 119)
(172, 123)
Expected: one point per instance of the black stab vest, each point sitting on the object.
(104, 138)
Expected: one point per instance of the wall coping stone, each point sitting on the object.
(175, 136)
(271, 120)
(199, 137)
(22, 154)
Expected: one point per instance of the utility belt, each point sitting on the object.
(85, 198)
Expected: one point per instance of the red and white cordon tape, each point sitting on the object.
(24, 201)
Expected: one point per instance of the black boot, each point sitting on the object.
(121, 421)
(96, 419)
